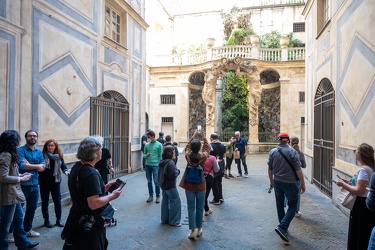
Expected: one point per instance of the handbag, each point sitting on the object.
(345, 198)
(237, 155)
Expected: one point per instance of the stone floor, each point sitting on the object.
(246, 220)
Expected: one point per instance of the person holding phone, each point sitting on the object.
(84, 228)
(11, 194)
(361, 219)
(153, 151)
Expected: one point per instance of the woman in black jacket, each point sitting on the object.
(171, 202)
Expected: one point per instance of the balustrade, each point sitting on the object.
(216, 53)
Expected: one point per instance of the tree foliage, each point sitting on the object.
(235, 105)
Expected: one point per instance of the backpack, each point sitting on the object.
(194, 174)
(221, 169)
(220, 149)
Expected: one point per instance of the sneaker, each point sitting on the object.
(199, 232)
(240, 175)
(231, 176)
(10, 238)
(215, 202)
(32, 233)
(221, 200)
(176, 225)
(297, 214)
(226, 176)
(246, 175)
(192, 234)
(150, 199)
(207, 213)
(47, 223)
(157, 199)
(282, 234)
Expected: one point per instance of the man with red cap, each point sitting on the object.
(285, 174)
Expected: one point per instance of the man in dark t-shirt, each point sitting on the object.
(104, 165)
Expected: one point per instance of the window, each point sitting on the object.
(112, 24)
(298, 27)
(167, 119)
(168, 99)
(302, 97)
(323, 12)
(326, 11)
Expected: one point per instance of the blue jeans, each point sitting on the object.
(371, 243)
(299, 197)
(238, 161)
(290, 191)
(171, 207)
(32, 195)
(195, 204)
(13, 213)
(152, 172)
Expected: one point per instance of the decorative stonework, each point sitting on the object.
(241, 67)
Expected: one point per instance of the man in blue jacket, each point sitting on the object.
(241, 145)
(31, 160)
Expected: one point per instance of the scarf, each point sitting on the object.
(57, 166)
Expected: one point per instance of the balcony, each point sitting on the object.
(230, 52)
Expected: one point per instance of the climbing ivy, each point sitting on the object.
(235, 104)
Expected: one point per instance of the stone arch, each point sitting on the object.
(269, 107)
(240, 67)
(197, 107)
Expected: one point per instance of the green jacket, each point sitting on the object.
(155, 150)
(229, 150)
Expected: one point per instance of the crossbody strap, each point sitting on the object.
(290, 164)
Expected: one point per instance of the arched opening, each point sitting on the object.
(197, 107)
(269, 107)
(109, 118)
(324, 133)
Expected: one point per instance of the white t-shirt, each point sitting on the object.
(362, 175)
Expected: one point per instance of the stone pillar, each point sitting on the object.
(284, 103)
(219, 98)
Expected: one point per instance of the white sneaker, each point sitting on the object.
(32, 233)
(192, 234)
(199, 232)
(10, 238)
(297, 214)
(208, 212)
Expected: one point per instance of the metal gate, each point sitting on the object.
(109, 118)
(324, 133)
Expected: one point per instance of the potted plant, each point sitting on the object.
(254, 39)
(284, 41)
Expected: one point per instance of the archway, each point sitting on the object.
(269, 107)
(240, 67)
(109, 118)
(197, 107)
(324, 133)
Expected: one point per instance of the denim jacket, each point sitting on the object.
(33, 156)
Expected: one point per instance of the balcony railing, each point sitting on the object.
(230, 52)
(257, 3)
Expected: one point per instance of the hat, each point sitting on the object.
(148, 130)
(283, 136)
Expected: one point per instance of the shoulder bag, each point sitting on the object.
(290, 164)
(345, 198)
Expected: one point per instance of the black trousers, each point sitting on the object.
(45, 190)
(209, 183)
(217, 188)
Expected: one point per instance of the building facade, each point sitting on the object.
(340, 87)
(70, 69)
(176, 81)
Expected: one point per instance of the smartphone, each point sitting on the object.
(119, 184)
(199, 127)
(338, 176)
(334, 181)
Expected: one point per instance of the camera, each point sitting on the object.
(87, 221)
